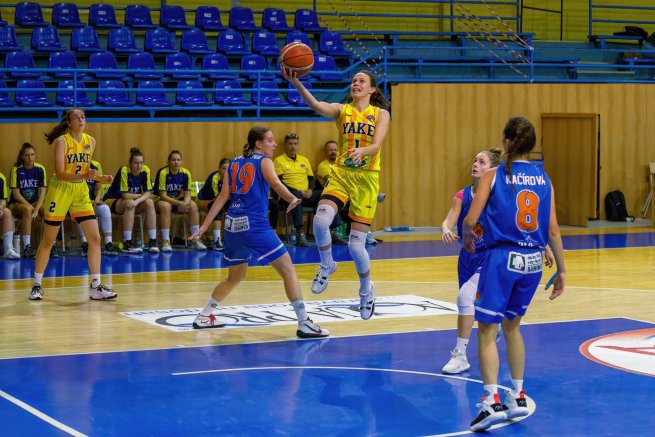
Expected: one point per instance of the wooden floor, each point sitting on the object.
(601, 283)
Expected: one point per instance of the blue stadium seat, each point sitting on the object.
(160, 41)
(5, 101)
(112, 93)
(122, 41)
(294, 96)
(66, 95)
(46, 39)
(268, 98)
(64, 61)
(242, 19)
(138, 17)
(85, 40)
(225, 96)
(194, 41)
(8, 41)
(190, 97)
(174, 18)
(181, 62)
(275, 20)
(298, 36)
(31, 98)
(265, 43)
(217, 61)
(20, 60)
(29, 14)
(307, 21)
(209, 18)
(255, 62)
(66, 15)
(332, 44)
(103, 64)
(150, 94)
(145, 63)
(325, 63)
(230, 42)
(102, 15)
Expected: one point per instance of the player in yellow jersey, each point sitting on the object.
(362, 124)
(69, 193)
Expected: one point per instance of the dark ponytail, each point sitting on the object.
(256, 134)
(19, 160)
(520, 134)
(61, 128)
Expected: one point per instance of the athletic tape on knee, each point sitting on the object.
(322, 220)
(357, 249)
(104, 214)
(466, 296)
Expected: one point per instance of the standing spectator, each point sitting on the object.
(172, 187)
(28, 189)
(69, 194)
(7, 222)
(296, 174)
(208, 194)
(130, 194)
(102, 211)
(362, 124)
(519, 220)
(322, 173)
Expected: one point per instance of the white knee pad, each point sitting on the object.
(466, 296)
(104, 216)
(322, 220)
(357, 249)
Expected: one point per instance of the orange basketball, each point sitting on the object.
(298, 57)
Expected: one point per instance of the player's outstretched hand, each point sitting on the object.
(289, 75)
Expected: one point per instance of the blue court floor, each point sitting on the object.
(375, 385)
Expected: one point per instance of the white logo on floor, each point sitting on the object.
(339, 310)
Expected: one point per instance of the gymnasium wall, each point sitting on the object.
(430, 145)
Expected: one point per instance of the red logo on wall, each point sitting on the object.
(632, 351)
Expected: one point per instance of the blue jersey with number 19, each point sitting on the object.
(249, 190)
(518, 210)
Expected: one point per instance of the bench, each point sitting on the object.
(599, 40)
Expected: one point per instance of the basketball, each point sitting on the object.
(298, 57)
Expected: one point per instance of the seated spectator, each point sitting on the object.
(7, 222)
(102, 212)
(172, 188)
(322, 173)
(296, 174)
(130, 194)
(28, 188)
(208, 194)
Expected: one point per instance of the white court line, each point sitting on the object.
(40, 415)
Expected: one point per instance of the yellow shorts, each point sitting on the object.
(360, 187)
(63, 197)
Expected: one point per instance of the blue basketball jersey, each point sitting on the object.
(518, 210)
(249, 190)
(467, 201)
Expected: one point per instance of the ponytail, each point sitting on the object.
(256, 134)
(520, 134)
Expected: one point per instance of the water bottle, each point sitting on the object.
(397, 228)
(16, 243)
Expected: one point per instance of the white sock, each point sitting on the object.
(83, 238)
(152, 234)
(489, 391)
(26, 240)
(194, 229)
(299, 308)
(517, 385)
(217, 234)
(127, 235)
(212, 304)
(166, 234)
(108, 239)
(8, 240)
(462, 343)
(95, 280)
(38, 278)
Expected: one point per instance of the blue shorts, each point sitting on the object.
(264, 244)
(509, 278)
(468, 264)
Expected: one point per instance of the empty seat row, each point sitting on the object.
(170, 17)
(103, 64)
(32, 93)
(160, 40)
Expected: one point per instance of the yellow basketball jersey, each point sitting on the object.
(78, 154)
(356, 129)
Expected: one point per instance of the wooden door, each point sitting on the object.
(570, 144)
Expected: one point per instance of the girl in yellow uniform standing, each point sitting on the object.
(69, 193)
(362, 124)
